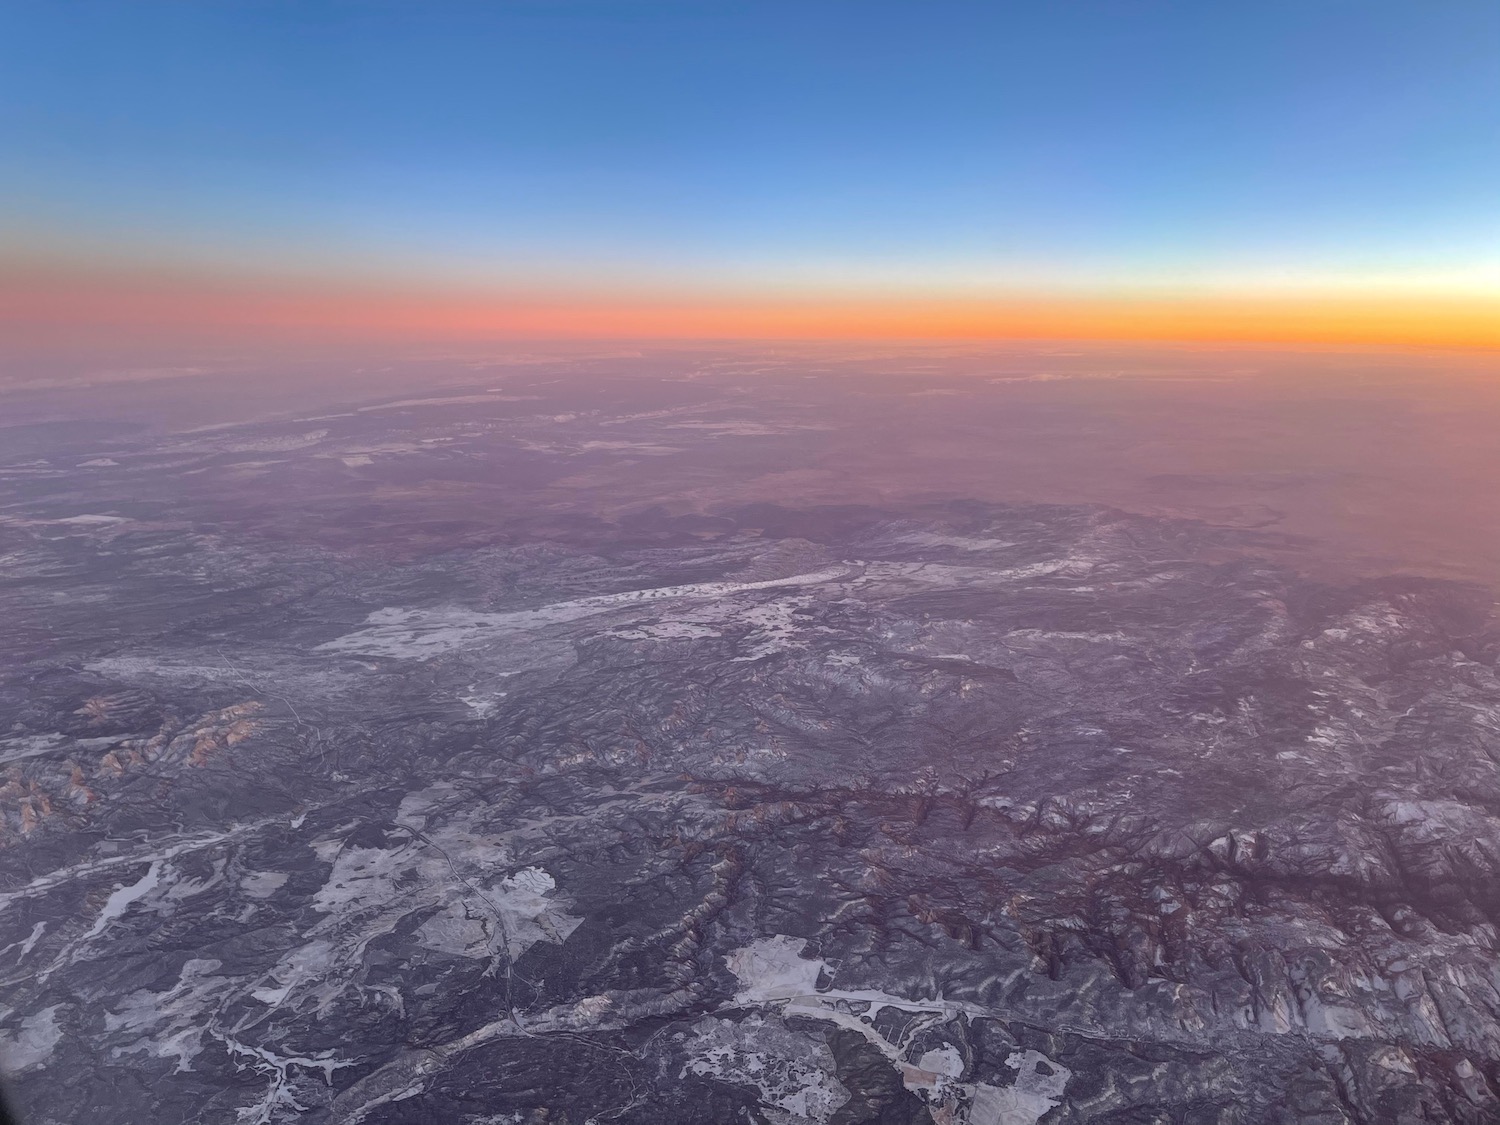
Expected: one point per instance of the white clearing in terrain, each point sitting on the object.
(773, 971)
(420, 634)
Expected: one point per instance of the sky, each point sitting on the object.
(1302, 170)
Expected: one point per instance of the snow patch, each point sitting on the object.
(943, 1060)
(1028, 1100)
(119, 902)
(30, 1046)
(794, 1073)
(773, 971)
(262, 884)
(773, 968)
(169, 1024)
(91, 520)
(420, 634)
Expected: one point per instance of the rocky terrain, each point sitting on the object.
(400, 765)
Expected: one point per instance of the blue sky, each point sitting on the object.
(838, 146)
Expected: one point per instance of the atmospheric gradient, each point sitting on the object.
(1315, 173)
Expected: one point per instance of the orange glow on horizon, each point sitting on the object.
(37, 309)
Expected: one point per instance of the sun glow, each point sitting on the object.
(36, 307)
